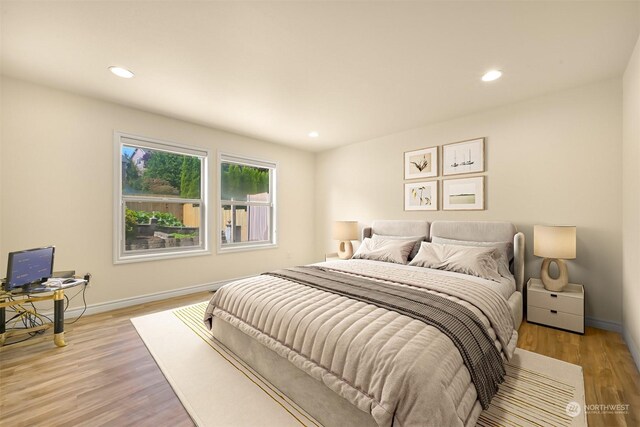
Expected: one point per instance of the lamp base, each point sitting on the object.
(559, 283)
(345, 249)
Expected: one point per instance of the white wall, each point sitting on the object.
(631, 204)
(57, 186)
(556, 159)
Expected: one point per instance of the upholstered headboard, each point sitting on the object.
(397, 228)
(475, 231)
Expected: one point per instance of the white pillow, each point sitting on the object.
(505, 254)
(480, 262)
(387, 250)
(505, 247)
(416, 247)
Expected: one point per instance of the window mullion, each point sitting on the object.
(232, 232)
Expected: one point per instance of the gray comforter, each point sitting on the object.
(400, 370)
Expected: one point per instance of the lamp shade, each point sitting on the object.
(345, 230)
(554, 241)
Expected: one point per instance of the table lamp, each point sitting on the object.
(554, 244)
(345, 232)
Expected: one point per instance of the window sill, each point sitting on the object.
(246, 248)
(127, 259)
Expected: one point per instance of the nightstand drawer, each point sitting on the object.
(556, 301)
(558, 319)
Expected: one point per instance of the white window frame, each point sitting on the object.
(248, 161)
(121, 256)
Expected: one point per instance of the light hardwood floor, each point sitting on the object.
(106, 376)
(610, 375)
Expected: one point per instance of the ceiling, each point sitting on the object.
(350, 70)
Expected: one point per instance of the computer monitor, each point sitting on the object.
(29, 267)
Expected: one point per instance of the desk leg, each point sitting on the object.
(3, 335)
(58, 318)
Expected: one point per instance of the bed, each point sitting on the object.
(347, 362)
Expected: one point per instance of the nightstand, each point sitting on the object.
(563, 310)
(332, 257)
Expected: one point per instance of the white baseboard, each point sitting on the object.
(127, 302)
(603, 324)
(633, 348)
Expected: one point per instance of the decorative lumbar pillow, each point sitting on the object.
(416, 246)
(504, 255)
(474, 261)
(387, 250)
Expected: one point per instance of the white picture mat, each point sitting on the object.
(456, 157)
(415, 201)
(463, 194)
(414, 158)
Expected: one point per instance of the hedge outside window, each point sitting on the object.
(247, 203)
(160, 200)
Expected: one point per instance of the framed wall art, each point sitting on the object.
(463, 157)
(463, 194)
(421, 196)
(421, 163)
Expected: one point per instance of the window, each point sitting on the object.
(247, 204)
(160, 203)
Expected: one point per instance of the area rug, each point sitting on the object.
(218, 389)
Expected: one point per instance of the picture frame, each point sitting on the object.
(463, 194)
(421, 196)
(463, 157)
(422, 163)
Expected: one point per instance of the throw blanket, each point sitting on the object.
(400, 370)
(468, 334)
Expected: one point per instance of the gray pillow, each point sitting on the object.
(474, 261)
(505, 251)
(416, 239)
(387, 250)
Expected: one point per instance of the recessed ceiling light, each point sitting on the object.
(313, 134)
(121, 72)
(492, 75)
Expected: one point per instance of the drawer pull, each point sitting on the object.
(554, 311)
(553, 295)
